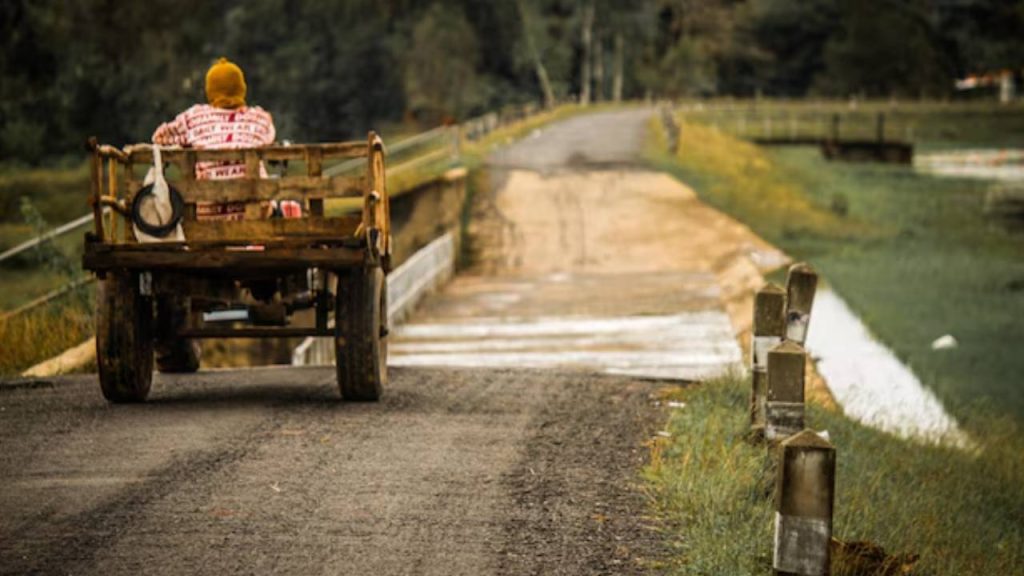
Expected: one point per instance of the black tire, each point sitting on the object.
(173, 353)
(124, 338)
(360, 329)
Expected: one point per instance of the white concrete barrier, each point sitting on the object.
(425, 271)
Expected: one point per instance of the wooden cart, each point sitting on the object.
(245, 278)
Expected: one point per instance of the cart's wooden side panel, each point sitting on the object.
(262, 189)
(268, 260)
(256, 232)
(115, 187)
(334, 150)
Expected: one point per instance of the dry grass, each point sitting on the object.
(44, 332)
(740, 178)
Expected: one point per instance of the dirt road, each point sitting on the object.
(484, 469)
(584, 260)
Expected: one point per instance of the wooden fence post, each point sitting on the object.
(784, 406)
(801, 283)
(835, 127)
(880, 127)
(768, 331)
(804, 499)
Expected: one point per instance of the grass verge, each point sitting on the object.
(962, 512)
(46, 331)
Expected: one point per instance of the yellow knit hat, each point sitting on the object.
(225, 85)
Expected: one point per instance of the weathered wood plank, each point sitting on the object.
(252, 164)
(95, 177)
(330, 150)
(258, 190)
(272, 229)
(98, 258)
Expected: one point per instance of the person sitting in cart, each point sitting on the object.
(226, 122)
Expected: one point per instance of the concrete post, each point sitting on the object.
(804, 499)
(801, 283)
(784, 406)
(768, 330)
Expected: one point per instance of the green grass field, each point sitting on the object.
(961, 512)
(913, 254)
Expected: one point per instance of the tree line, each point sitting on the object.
(330, 69)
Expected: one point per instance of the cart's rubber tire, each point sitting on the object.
(124, 338)
(173, 353)
(360, 330)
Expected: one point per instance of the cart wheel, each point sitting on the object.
(124, 338)
(173, 353)
(360, 330)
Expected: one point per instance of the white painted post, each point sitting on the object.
(784, 406)
(804, 500)
(801, 283)
(768, 330)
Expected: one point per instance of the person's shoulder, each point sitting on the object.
(257, 110)
(199, 108)
(196, 110)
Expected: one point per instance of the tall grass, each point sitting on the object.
(41, 333)
(962, 512)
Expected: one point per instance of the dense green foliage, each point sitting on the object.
(332, 68)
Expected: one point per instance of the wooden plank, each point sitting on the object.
(260, 189)
(112, 192)
(257, 231)
(314, 169)
(99, 257)
(188, 167)
(96, 175)
(252, 164)
(314, 162)
(329, 150)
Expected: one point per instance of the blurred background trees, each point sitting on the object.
(330, 69)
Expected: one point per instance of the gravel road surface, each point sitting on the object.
(264, 472)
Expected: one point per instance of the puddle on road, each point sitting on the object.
(869, 382)
(1006, 164)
